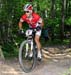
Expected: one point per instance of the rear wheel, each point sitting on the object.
(26, 63)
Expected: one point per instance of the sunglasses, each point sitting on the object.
(26, 11)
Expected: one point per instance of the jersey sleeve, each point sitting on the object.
(40, 20)
(23, 17)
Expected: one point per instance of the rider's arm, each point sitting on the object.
(41, 22)
(20, 23)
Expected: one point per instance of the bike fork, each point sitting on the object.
(27, 47)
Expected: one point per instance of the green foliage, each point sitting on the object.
(68, 21)
(11, 11)
(10, 50)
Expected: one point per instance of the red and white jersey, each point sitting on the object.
(33, 22)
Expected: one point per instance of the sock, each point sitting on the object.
(31, 54)
(39, 54)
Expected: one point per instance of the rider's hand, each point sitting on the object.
(20, 32)
(38, 28)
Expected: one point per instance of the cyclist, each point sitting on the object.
(34, 21)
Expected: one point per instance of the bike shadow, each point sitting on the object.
(41, 64)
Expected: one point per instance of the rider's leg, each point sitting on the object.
(38, 46)
(37, 40)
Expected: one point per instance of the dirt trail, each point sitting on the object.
(46, 67)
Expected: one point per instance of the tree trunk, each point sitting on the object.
(1, 54)
(70, 40)
(53, 9)
(63, 3)
(30, 0)
(67, 8)
(69, 15)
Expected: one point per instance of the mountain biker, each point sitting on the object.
(34, 21)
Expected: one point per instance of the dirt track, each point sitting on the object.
(49, 66)
(46, 67)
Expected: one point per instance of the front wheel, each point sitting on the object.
(26, 63)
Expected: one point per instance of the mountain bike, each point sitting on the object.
(28, 64)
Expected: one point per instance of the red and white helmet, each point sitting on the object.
(28, 7)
